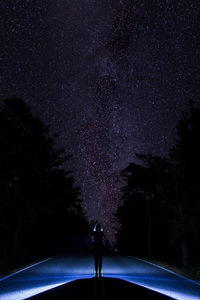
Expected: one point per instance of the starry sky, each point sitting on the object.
(111, 77)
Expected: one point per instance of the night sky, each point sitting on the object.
(110, 77)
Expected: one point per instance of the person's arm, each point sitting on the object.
(104, 240)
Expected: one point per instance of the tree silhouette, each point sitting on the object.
(186, 166)
(144, 203)
(170, 186)
(40, 204)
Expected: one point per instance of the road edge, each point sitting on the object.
(24, 269)
(172, 272)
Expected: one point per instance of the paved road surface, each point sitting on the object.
(59, 270)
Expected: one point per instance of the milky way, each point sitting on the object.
(110, 77)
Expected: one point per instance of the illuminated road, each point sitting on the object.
(62, 269)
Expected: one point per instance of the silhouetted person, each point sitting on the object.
(99, 243)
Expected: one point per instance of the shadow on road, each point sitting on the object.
(101, 288)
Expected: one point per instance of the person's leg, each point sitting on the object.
(100, 265)
(96, 264)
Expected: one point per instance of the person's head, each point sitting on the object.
(98, 227)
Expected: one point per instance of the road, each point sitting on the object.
(59, 270)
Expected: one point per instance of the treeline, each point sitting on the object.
(160, 215)
(40, 205)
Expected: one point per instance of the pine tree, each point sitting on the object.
(38, 196)
(186, 166)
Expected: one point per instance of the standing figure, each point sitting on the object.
(99, 243)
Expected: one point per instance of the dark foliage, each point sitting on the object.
(40, 204)
(185, 157)
(160, 214)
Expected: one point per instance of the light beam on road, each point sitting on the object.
(57, 271)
